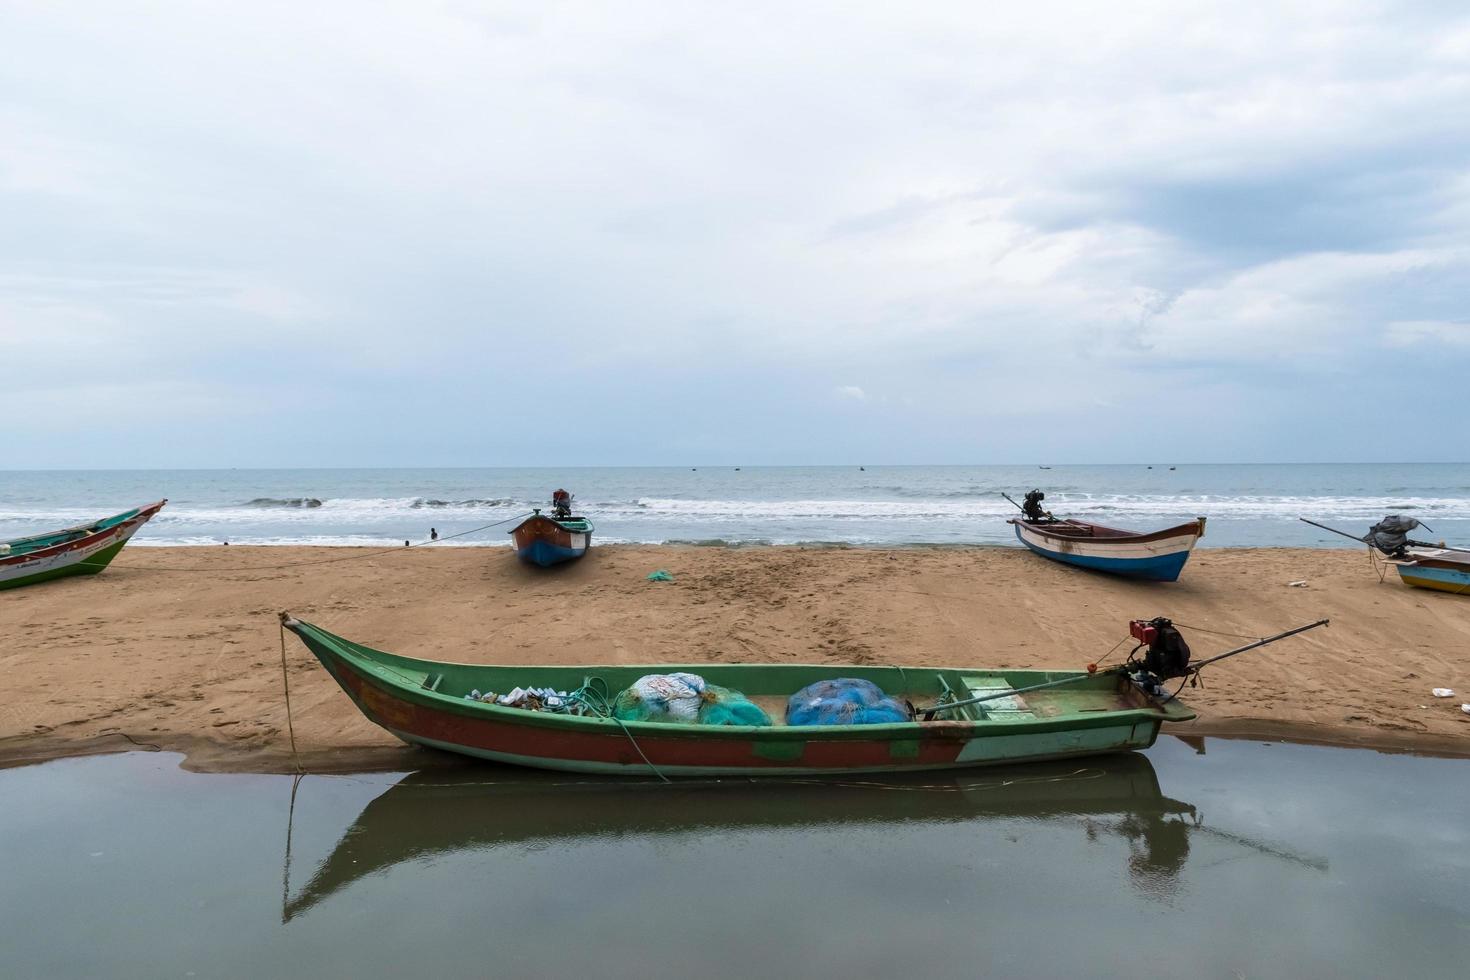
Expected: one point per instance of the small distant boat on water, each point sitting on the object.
(1421, 564)
(550, 540)
(82, 550)
(1157, 556)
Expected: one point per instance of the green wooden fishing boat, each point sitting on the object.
(85, 549)
(996, 718)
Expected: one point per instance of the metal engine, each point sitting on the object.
(1031, 506)
(1167, 654)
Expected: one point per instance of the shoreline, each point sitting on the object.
(198, 754)
(189, 661)
(717, 544)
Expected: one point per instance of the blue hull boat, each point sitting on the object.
(1157, 556)
(547, 541)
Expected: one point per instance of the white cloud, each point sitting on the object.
(1320, 306)
(1414, 333)
(853, 392)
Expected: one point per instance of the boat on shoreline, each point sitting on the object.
(1421, 564)
(1156, 556)
(550, 540)
(85, 549)
(989, 716)
(1441, 569)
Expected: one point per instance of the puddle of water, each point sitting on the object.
(1252, 859)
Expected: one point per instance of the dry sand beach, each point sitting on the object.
(189, 660)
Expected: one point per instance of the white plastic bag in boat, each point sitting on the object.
(662, 697)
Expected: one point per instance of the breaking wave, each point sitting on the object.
(820, 507)
(473, 502)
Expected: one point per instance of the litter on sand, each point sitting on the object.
(1442, 692)
(660, 576)
(1297, 585)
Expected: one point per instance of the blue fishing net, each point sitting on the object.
(844, 701)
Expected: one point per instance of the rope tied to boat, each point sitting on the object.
(1201, 629)
(286, 685)
(594, 698)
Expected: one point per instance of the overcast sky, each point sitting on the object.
(292, 234)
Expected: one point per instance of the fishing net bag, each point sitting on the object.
(723, 706)
(673, 698)
(685, 699)
(844, 701)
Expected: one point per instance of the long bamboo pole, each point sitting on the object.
(1193, 669)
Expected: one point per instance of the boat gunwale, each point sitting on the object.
(559, 522)
(1118, 536)
(1443, 560)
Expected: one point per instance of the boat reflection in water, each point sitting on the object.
(436, 813)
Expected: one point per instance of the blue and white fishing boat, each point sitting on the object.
(1156, 556)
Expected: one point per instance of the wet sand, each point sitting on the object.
(179, 648)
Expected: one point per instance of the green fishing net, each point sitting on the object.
(686, 699)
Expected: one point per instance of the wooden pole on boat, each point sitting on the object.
(1333, 530)
(932, 710)
(1070, 679)
(1409, 541)
(1195, 668)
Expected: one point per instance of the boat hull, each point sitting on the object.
(84, 555)
(542, 541)
(1437, 574)
(419, 713)
(1157, 557)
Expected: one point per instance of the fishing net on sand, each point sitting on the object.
(682, 698)
(844, 701)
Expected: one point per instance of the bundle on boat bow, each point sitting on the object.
(1165, 656)
(1390, 536)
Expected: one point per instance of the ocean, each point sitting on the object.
(1248, 505)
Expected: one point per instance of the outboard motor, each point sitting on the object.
(1031, 506)
(1167, 656)
(1391, 535)
(561, 503)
